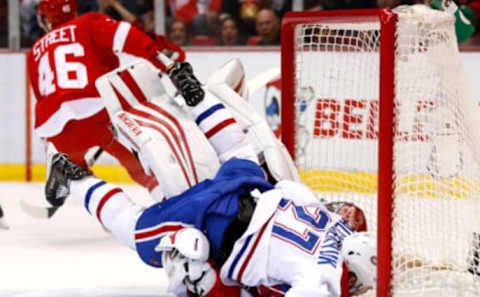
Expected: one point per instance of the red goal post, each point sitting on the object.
(375, 108)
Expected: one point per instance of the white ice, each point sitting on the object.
(69, 255)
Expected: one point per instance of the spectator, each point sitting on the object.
(395, 3)
(268, 27)
(248, 11)
(347, 4)
(124, 13)
(388, 3)
(3, 23)
(279, 6)
(475, 6)
(149, 23)
(312, 5)
(229, 33)
(471, 10)
(31, 31)
(85, 6)
(178, 33)
(202, 16)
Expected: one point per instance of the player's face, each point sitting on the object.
(353, 216)
(229, 32)
(178, 33)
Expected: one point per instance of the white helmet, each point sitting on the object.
(360, 253)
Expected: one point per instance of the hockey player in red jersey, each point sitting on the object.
(63, 67)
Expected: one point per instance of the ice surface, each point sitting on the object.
(69, 255)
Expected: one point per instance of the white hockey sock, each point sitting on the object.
(110, 205)
(221, 129)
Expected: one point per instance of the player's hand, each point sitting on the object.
(201, 283)
(187, 84)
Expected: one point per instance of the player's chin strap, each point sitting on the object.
(185, 254)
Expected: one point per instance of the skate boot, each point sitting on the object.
(3, 223)
(61, 172)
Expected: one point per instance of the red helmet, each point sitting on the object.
(57, 12)
(351, 213)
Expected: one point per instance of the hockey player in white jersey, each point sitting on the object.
(248, 225)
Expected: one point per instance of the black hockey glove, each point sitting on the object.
(187, 84)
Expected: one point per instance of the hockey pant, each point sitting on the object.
(79, 136)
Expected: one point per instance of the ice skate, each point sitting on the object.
(62, 171)
(3, 223)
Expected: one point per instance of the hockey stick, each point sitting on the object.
(46, 212)
(40, 212)
(261, 79)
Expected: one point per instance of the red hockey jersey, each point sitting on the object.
(65, 63)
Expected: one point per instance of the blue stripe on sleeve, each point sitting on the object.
(90, 192)
(208, 112)
(239, 255)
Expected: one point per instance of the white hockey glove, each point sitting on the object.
(185, 254)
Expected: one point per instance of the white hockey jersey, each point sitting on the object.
(292, 239)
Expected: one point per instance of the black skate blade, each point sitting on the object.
(40, 212)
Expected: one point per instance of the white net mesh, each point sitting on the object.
(436, 211)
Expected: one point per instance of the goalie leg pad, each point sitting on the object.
(150, 123)
(271, 150)
(176, 153)
(231, 73)
(157, 153)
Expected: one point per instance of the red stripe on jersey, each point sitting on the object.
(219, 127)
(247, 259)
(104, 200)
(157, 231)
(152, 126)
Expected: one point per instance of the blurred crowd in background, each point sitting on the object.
(214, 22)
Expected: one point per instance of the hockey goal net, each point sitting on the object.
(377, 111)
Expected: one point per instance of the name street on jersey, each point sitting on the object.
(330, 248)
(63, 34)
